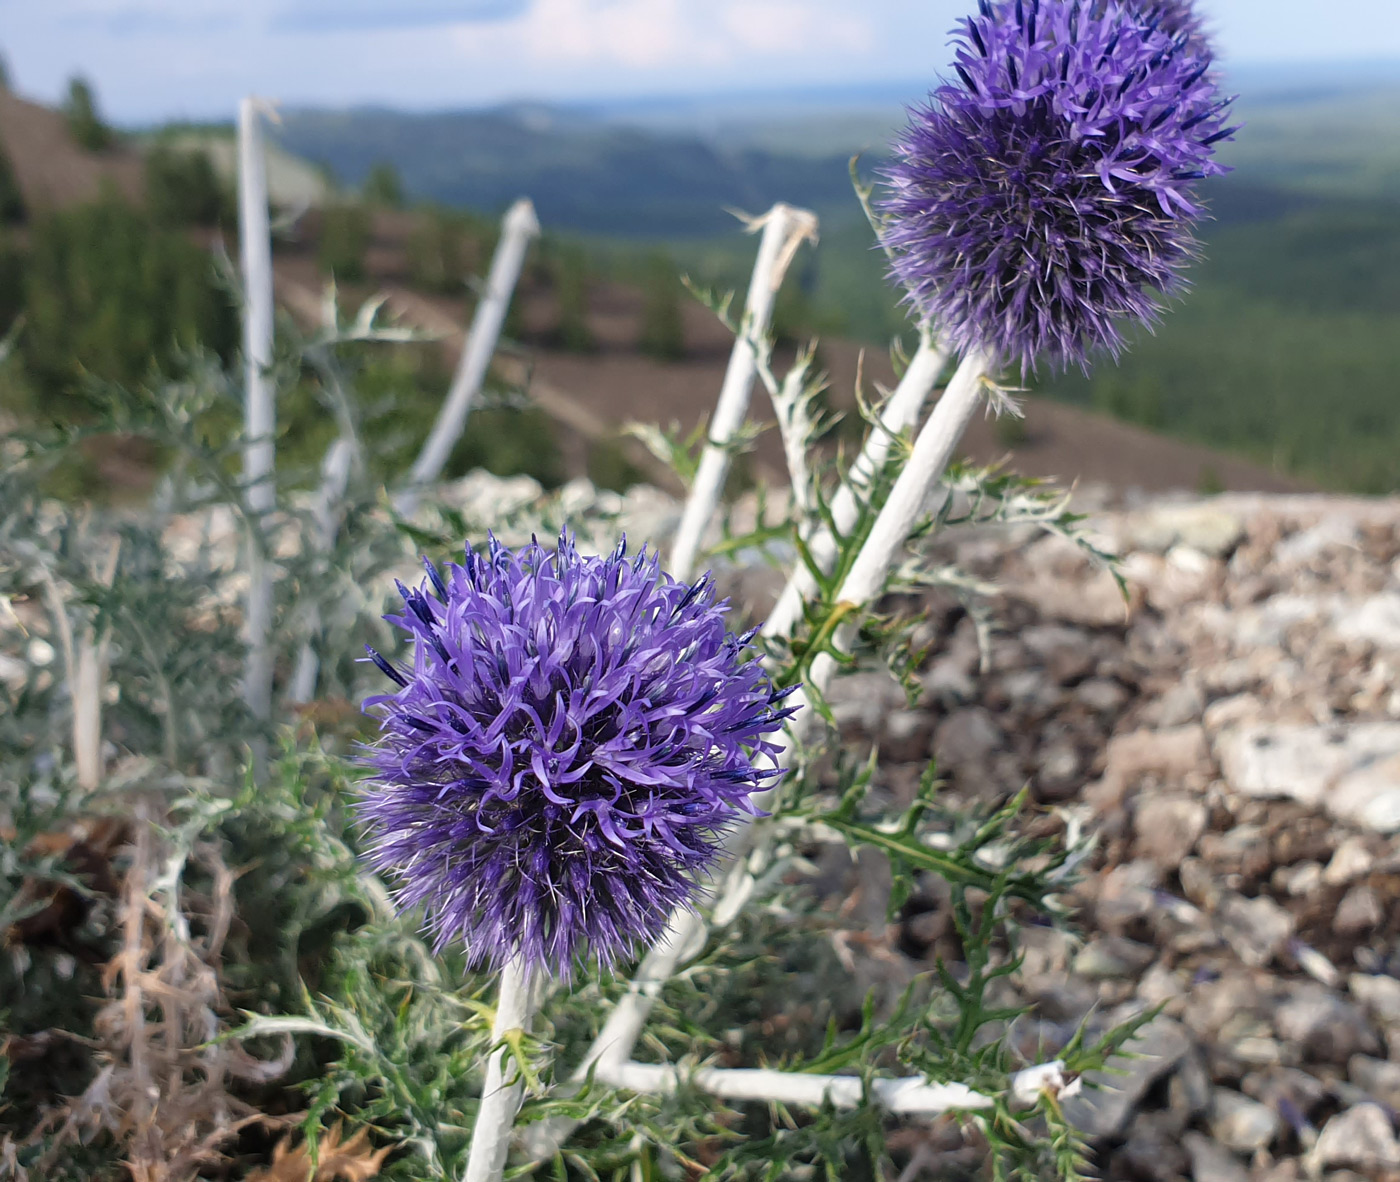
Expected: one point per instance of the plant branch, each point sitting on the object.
(910, 1094)
(260, 412)
(901, 410)
(518, 227)
(784, 230)
(500, 1096)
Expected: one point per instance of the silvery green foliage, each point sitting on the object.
(386, 1034)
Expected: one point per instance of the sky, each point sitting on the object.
(151, 60)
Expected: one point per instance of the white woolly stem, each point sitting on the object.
(517, 228)
(902, 509)
(500, 1101)
(900, 411)
(335, 478)
(908, 1095)
(685, 934)
(260, 414)
(784, 229)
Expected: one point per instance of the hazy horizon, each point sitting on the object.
(157, 60)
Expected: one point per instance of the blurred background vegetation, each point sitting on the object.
(1286, 351)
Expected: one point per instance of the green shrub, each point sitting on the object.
(110, 295)
(609, 466)
(570, 277)
(663, 330)
(11, 199)
(182, 189)
(84, 122)
(345, 231)
(443, 249)
(383, 186)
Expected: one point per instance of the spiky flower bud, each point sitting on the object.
(1045, 200)
(569, 738)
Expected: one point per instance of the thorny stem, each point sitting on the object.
(900, 411)
(518, 227)
(908, 1095)
(932, 452)
(260, 412)
(500, 1101)
(784, 230)
(335, 477)
(685, 935)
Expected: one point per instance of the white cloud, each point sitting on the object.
(792, 26)
(655, 35)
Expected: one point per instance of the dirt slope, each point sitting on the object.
(52, 170)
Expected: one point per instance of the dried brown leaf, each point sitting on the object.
(350, 1161)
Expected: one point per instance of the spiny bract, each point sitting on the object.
(568, 741)
(1046, 200)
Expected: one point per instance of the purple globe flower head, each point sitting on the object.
(569, 737)
(1046, 200)
(1178, 17)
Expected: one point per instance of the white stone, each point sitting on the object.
(1354, 769)
(1240, 1123)
(1376, 620)
(1360, 1136)
(1369, 797)
(1351, 860)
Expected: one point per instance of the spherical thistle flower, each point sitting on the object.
(1178, 17)
(1045, 201)
(567, 742)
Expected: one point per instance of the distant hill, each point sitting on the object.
(584, 173)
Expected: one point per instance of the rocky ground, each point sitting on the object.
(1233, 738)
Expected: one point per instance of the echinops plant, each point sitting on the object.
(549, 916)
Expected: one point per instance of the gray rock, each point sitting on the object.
(1167, 828)
(1359, 911)
(1059, 772)
(1153, 1149)
(1369, 796)
(1184, 702)
(1189, 1092)
(1322, 1024)
(1378, 1078)
(1379, 994)
(1240, 1123)
(1127, 893)
(1160, 984)
(1212, 1162)
(1102, 695)
(1333, 530)
(864, 700)
(1111, 957)
(966, 737)
(1360, 1136)
(905, 736)
(1255, 928)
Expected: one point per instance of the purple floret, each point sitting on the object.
(570, 738)
(1046, 199)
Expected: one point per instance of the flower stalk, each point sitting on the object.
(501, 1095)
(260, 409)
(519, 226)
(901, 410)
(785, 228)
